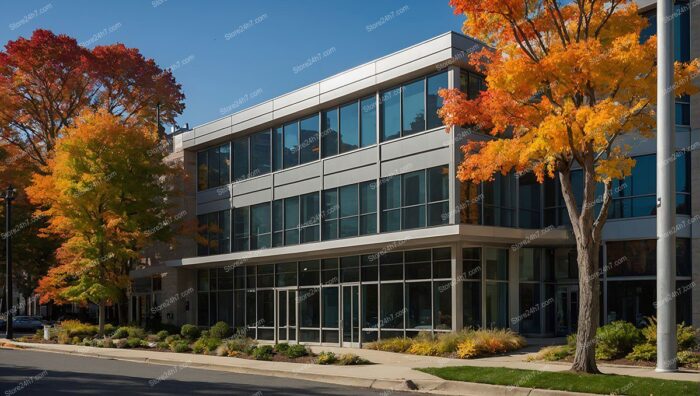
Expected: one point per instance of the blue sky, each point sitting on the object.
(224, 52)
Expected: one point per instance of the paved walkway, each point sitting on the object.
(390, 371)
(516, 360)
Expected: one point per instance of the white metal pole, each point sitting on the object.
(665, 193)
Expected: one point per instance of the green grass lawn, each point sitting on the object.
(567, 381)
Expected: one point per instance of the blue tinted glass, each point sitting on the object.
(438, 183)
(644, 175)
(309, 209)
(681, 32)
(682, 172)
(277, 148)
(240, 159)
(330, 204)
(329, 133)
(368, 127)
(413, 107)
(368, 197)
(348, 200)
(434, 101)
(291, 145)
(309, 140)
(291, 212)
(390, 113)
(260, 219)
(391, 192)
(260, 153)
(349, 127)
(213, 167)
(224, 163)
(414, 188)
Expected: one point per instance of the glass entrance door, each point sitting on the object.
(566, 309)
(351, 315)
(286, 315)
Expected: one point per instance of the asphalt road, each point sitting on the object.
(45, 373)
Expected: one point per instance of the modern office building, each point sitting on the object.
(332, 214)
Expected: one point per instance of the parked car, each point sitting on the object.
(28, 323)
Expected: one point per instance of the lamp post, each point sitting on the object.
(665, 193)
(8, 195)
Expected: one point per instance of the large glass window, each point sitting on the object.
(214, 233)
(407, 204)
(260, 148)
(638, 257)
(240, 159)
(368, 121)
(329, 132)
(434, 101)
(636, 194)
(308, 148)
(529, 201)
(330, 307)
(419, 315)
(291, 221)
(471, 295)
(291, 145)
(260, 221)
(349, 211)
(390, 114)
(500, 201)
(392, 309)
(349, 127)
(213, 167)
(413, 107)
(309, 217)
(277, 148)
(496, 262)
(241, 227)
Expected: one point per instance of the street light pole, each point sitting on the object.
(666, 344)
(8, 196)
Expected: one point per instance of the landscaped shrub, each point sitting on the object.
(296, 351)
(616, 339)
(644, 352)
(162, 335)
(240, 344)
(75, 328)
(172, 338)
(220, 330)
(398, 344)
(282, 347)
(190, 332)
(350, 359)
(467, 349)
(121, 332)
(180, 347)
(553, 353)
(162, 345)
(133, 342)
(262, 352)
(424, 348)
(326, 358)
(688, 357)
(75, 340)
(206, 344)
(687, 337)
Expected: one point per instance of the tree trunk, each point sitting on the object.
(587, 228)
(101, 319)
(589, 308)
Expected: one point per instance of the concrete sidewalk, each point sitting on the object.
(386, 375)
(515, 360)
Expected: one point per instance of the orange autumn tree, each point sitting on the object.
(105, 194)
(566, 81)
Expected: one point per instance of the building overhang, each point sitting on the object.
(513, 238)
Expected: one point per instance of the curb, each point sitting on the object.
(437, 386)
